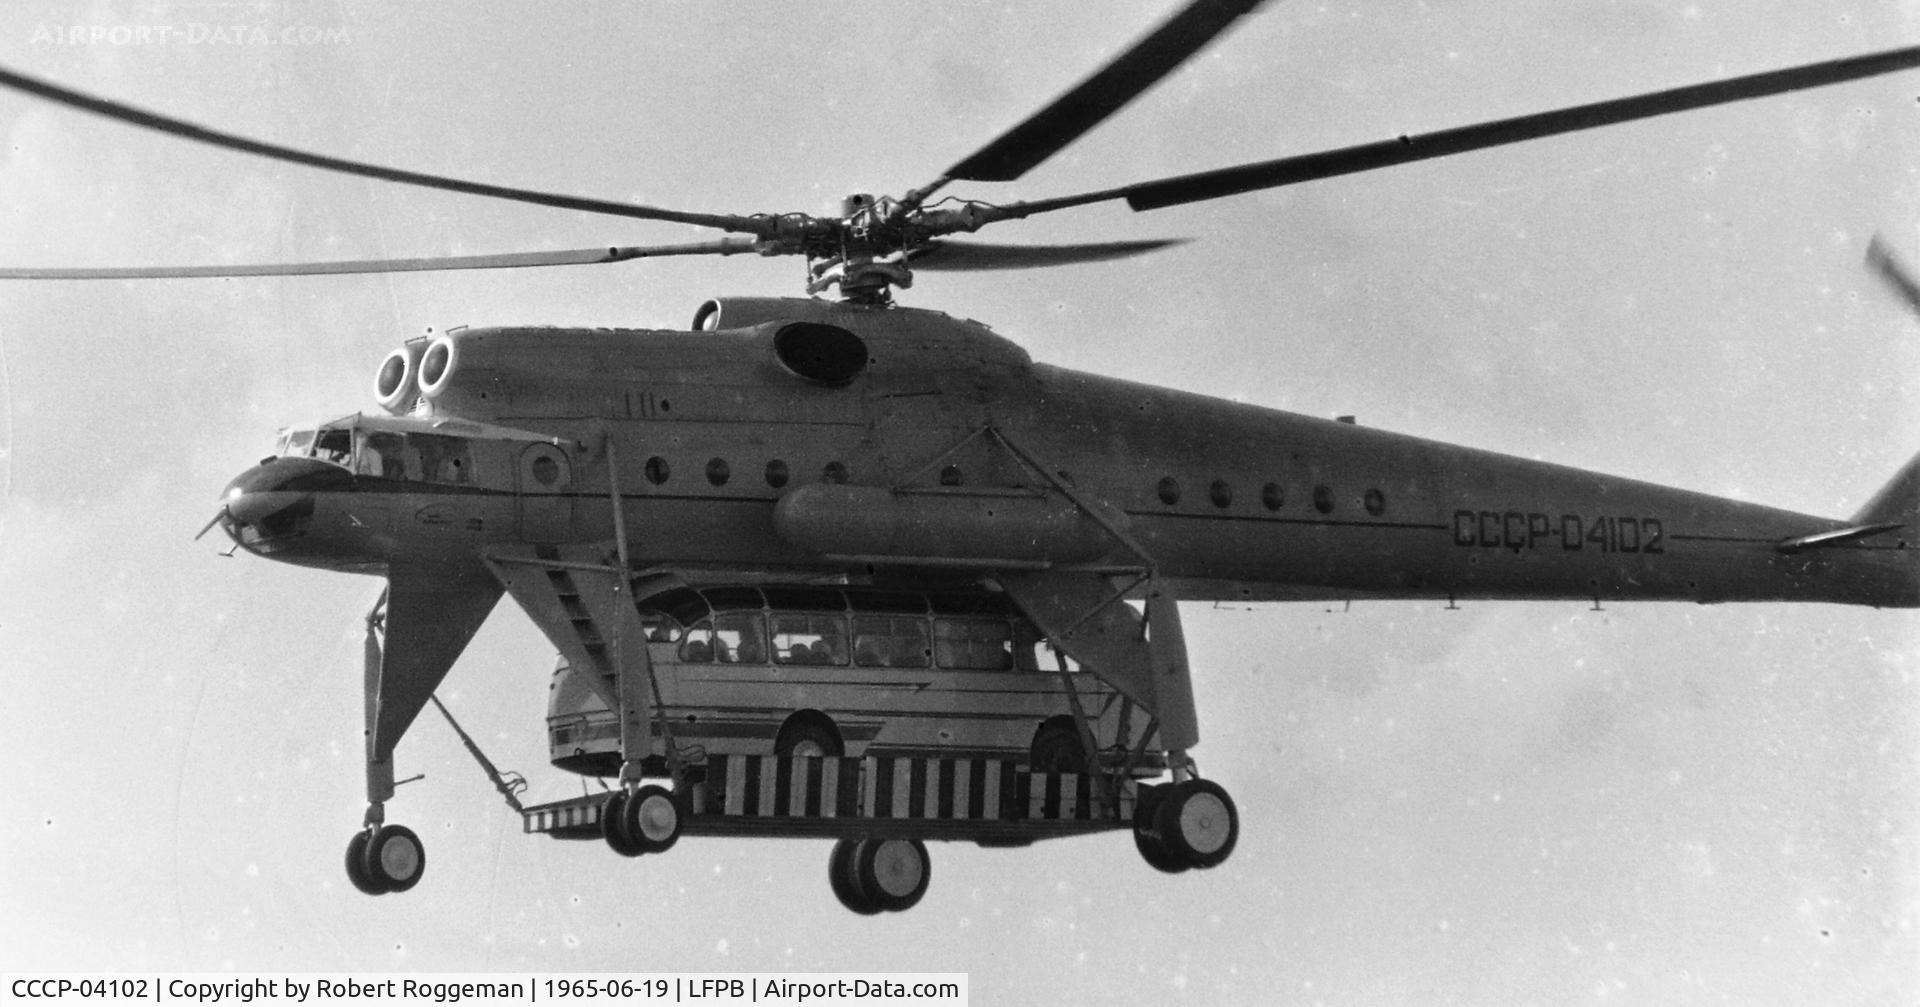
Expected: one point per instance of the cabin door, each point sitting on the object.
(545, 490)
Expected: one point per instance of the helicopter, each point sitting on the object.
(566, 452)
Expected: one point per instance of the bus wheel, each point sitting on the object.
(808, 737)
(1056, 748)
(651, 819)
(894, 872)
(1197, 821)
(1152, 848)
(846, 886)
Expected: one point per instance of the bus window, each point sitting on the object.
(985, 644)
(659, 627)
(697, 646)
(883, 641)
(809, 639)
(738, 639)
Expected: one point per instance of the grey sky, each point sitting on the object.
(1505, 804)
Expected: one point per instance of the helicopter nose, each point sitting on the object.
(274, 499)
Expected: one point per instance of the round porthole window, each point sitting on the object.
(546, 471)
(1169, 491)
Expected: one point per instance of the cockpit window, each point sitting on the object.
(334, 446)
(443, 459)
(293, 443)
(415, 457)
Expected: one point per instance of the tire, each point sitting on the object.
(395, 858)
(840, 876)
(1146, 840)
(893, 872)
(651, 819)
(1198, 823)
(357, 870)
(613, 827)
(1056, 748)
(808, 737)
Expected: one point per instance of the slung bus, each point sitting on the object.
(770, 670)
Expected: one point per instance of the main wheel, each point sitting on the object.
(357, 871)
(893, 872)
(651, 819)
(613, 826)
(840, 875)
(1198, 823)
(808, 736)
(1056, 748)
(395, 858)
(1145, 839)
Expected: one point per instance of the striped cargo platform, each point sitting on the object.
(986, 799)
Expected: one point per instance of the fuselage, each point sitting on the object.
(820, 440)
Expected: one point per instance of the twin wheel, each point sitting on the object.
(646, 820)
(385, 859)
(1184, 825)
(879, 875)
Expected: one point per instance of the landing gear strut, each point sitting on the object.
(414, 632)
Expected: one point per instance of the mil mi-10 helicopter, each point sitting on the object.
(867, 448)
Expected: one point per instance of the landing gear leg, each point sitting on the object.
(414, 633)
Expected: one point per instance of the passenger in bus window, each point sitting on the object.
(698, 645)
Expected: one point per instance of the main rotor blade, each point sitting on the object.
(510, 260)
(1404, 149)
(1014, 152)
(963, 256)
(200, 134)
(1890, 269)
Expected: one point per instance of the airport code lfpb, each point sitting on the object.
(814, 989)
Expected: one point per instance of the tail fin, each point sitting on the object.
(1897, 503)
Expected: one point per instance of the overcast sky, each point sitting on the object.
(1503, 804)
